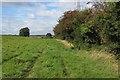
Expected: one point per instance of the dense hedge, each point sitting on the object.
(95, 26)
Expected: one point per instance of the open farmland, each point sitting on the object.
(24, 57)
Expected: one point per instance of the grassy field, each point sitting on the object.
(24, 57)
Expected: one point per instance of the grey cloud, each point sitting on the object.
(30, 0)
(18, 4)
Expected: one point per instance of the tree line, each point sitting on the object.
(25, 32)
(98, 25)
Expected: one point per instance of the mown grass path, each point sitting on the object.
(48, 58)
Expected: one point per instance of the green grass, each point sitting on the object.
(25, 57)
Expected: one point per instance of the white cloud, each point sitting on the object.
(31, 15)
(67, 0)
(41, 27)
(47, 18)
(13, 25)
(64, 6)
(55, 4)
(49, 13)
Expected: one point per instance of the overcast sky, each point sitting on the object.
(41, 17)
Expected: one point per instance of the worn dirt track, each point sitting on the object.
(65, 43)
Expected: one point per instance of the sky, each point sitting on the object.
(38, 15)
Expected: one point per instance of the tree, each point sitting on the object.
(49, 35)
(24, 32)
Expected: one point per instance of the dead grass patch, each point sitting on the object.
(107, 58)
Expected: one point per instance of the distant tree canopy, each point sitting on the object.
(24, 32)
(97, 25)
(49, 35)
